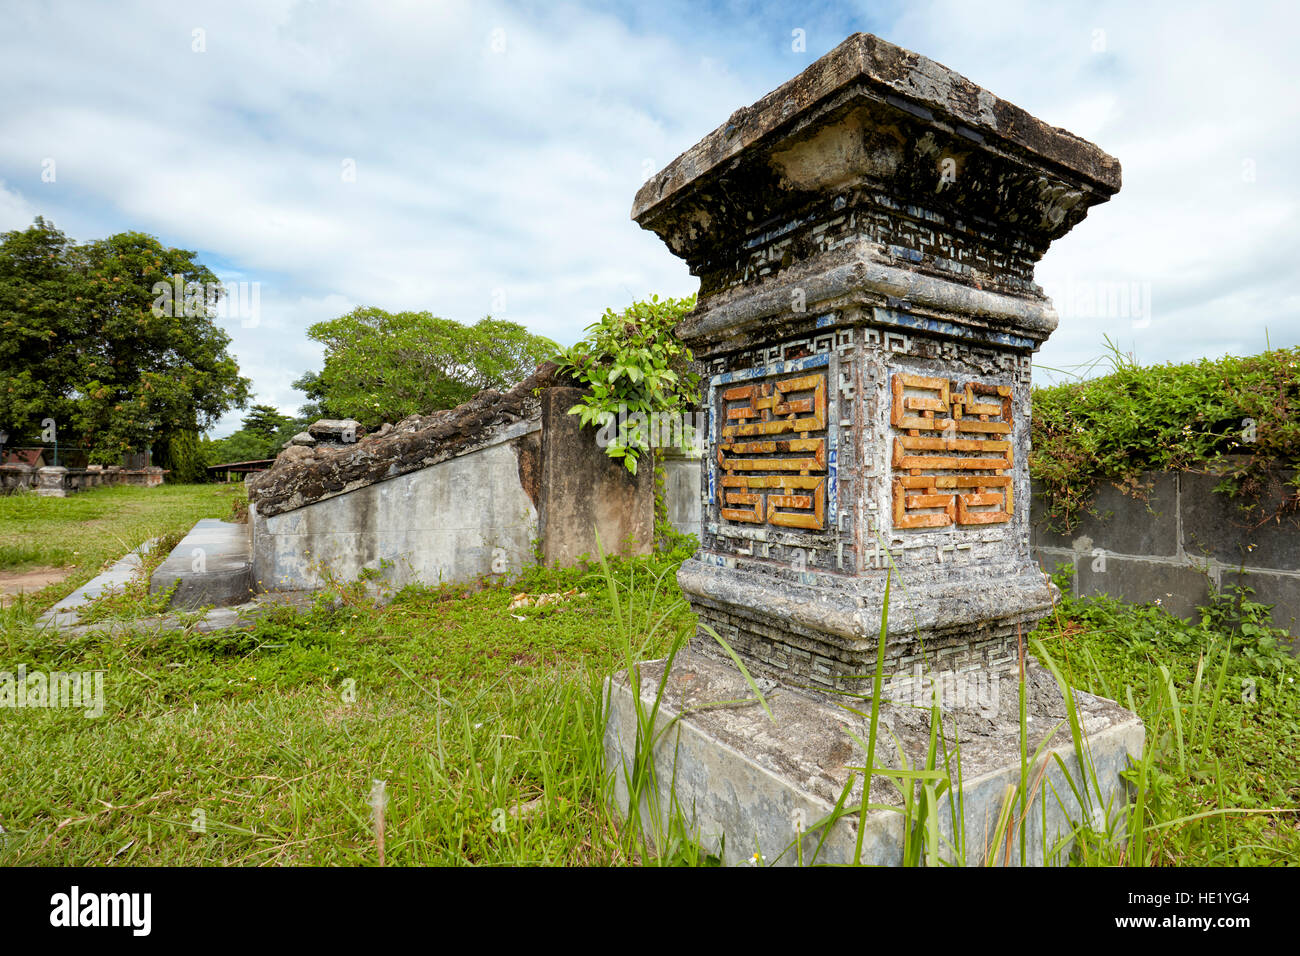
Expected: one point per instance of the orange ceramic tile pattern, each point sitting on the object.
(771, 469)
(952, 454)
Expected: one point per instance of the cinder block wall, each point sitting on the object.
(1171, 546)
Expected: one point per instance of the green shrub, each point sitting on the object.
(1238, 415)
(636, 369)
(180, 454)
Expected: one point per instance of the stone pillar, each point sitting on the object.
(865, 238)
(50, 482)
(585, 499)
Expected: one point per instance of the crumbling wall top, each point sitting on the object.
(306, 474)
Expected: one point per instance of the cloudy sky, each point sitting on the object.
(481, 157)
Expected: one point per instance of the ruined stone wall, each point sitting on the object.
(478, 491)
(55, 481)
(460, 519)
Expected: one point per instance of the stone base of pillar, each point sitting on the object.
(50, 482)
(740, 783)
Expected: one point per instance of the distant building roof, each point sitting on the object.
(25, 456)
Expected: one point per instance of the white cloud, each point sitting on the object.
(482, 170)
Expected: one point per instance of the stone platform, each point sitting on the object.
(212, 565)
(743, 779)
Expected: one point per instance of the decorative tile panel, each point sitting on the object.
(774, 451)
(952, 452)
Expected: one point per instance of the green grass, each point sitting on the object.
(89, 529)
(485, 722)
(465, 708)
(1219, 784)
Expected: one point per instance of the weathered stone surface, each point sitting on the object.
(342, 431)
(1142, 520)
(413, 443)
(1178, 537)
(1268, 536)
(51, 481)
(751, 779)
(66, 612)
(1179, 587)
(865, 238)
(212, 565)
(875, 179)
(461, 519)
(874, 68)
(584, 494)
(303, 438)
(682, 493)
(294, 452)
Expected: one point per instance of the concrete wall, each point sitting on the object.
(456, 520)
(584, 493)
(1171, 546)
(540, 488)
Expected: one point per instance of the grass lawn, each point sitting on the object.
(483, 722)
(84, 531)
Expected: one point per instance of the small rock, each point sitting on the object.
(302, 438)
(294, 452)
(342, 431)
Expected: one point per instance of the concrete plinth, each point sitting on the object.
(745, 783)
(50, 482)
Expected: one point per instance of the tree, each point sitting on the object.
(316, 406)
(153, 367)
(43, 326)
(180, 453)
(84, 341)
(265, 420)
(383, 366)
(636, 371)
(256, 441)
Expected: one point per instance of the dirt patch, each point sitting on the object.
(13, 583)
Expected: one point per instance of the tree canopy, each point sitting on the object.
(83, 341)
(382, 366)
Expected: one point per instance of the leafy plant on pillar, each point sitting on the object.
(636, 371)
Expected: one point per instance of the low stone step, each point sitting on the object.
(67, 611)
(213, 564)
